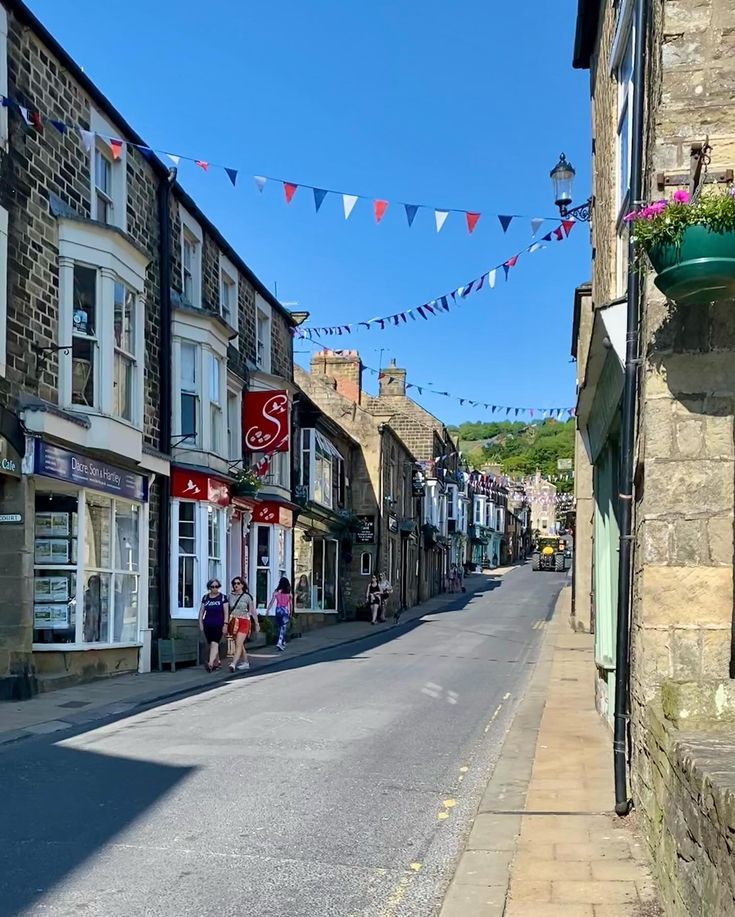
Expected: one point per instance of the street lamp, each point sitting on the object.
(562, 179)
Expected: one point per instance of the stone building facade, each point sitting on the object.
(383, 492)
(682, 700)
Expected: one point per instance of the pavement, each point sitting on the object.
(66, 708)
(342, 783)
(543, 842)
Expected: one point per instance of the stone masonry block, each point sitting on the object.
(658, 427)
(715, 653)
(718, 437)
(689, 437)
(688, 487)
(690, 545)
(685, 373)
(686, 655)
(673, 596)
(656, 541)
(720, 539)
(653, 657)
(680, 16)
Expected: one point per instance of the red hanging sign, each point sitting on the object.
(265, 424)
(193, 485)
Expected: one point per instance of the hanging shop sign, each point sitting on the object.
(10, 460)
(366, 533)
(272, 513)
(392, 523)
(55, 462)
(193, 485)
(265, 426)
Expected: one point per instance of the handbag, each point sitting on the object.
(233, 625)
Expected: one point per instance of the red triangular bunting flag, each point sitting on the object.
(511, 262)
(567, 224)
(116, 147)
(289, 189)
(472, 219)
(36, 121)
(379, 208)
(558, 233)
(202, 164)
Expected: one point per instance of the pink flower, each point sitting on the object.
(658, 207)
(681, 197)
(629, 217)
(731, 192)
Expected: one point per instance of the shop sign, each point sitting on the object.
(10, 517)
(9, 459)
(265, 425)
(392, 524)
(273, 514)
(366, 533)
(193, 485)
(418, 486)
(54, 462)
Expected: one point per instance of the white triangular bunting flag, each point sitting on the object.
(260, 181)
(348, 202)
(174, 159)
(536, 224)
(535, 247)
(26, 115)
(440, 216)
(491, 278)
(87, 138)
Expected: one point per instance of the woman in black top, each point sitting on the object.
(214, 613)
(374, 598)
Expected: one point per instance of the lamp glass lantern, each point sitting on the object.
(562, 179)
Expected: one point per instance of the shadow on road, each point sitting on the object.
(61, 806)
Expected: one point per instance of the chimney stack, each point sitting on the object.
(345, 367)
(392, 381)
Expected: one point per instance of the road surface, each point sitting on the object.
(342, 784)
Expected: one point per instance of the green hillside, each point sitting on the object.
(519, 449)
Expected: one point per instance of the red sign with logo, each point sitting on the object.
(265, 426)
(193, 485)
(273, 514)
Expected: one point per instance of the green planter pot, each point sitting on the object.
(700, 270)
(244, 490)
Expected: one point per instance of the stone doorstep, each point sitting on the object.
(188, 679)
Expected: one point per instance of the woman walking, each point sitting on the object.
(374, 598)
(214, 613)
(281, 598)
(242, 618)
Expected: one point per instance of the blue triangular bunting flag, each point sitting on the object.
(505, 221)
(59, 125)
(411, 211)
(232, 175)
(319, 195)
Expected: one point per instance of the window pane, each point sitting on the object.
(330, 575)
(95, 628)
(83, 351)
(127, 535)
(263, 546)
(213, 533)
(54, 606)
(216, 428)
(188, 415)
(103, 172)
(122, 387)
(261, 588)
(317, 572)
(213, 379)
(124, 324)
(85, 300)
(98, 533)
(186, 579)
(125, 623)
(189, 367)
(187, 528)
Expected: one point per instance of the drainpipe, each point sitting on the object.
(623, 803)
(164, 534)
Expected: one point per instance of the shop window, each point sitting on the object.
(302, 592)
(187, 569)
(107, 566)
(366, 563)
(262, 565)
(324, 574)
(84, 337)
(214, 543)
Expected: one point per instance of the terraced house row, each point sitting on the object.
(145, 372)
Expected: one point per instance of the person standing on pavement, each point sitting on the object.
(386, 591)
(281, 598)
(373, 598)
(214, 613)
(242, 618)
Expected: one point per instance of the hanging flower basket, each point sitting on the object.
(691, 246)
(246, 484)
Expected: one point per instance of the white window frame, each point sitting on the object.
(206, 404)
(623, 48)
(452, 503)
(229, 276)
(234, 423)
(217, 395)
(192, 232)
(194, 391)
(79, 567)
(479, 511)
(114, 259)
(118, 194)
(3, 280)
(3, 76)
(201, 564)
(263, 323)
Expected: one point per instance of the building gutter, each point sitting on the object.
(165, 383)
(630, 395)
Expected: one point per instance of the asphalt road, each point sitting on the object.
(340, 785)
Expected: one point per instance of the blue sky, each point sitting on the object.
(462, 105)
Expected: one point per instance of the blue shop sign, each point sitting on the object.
(55, 462)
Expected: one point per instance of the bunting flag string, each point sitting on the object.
(503, 411)
(441, 304)
(36, 120)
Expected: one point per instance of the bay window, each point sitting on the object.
(321, 469)
(101, 285)
(201, 398)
